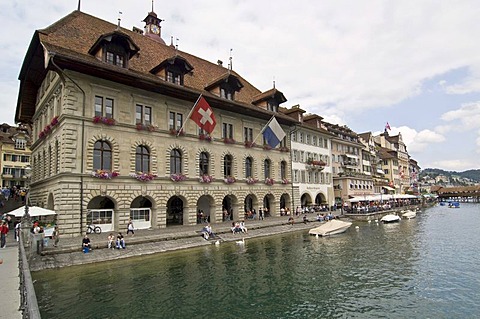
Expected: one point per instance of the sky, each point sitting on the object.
(412, 64)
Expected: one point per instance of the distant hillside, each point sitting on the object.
(472, 174)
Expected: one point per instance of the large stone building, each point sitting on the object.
(15, 155)
(112, 139)
(311, 164)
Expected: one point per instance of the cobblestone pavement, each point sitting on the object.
(152, 241)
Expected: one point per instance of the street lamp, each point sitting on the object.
(26, 222)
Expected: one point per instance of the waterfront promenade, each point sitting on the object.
(10, 280)
(153, 241)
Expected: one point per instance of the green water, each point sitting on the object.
(422, 268)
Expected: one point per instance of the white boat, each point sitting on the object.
(409, 214)
(331, 227)
(390, 218)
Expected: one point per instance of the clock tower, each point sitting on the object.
(152, 26)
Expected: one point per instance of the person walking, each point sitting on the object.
(55, 236)
(4, 231)
(130, 228)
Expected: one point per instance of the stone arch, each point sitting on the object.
(305, 199)
(320, 199)
(230, 207)
(184, 158)
(250, 203)
(205, 209)
(285, 201)
(115, 151)
(176, 210)
(101, 212)
(153, 155)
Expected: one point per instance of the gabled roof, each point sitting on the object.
(70, 39)
(270, 94)
(187, 67)
(111, 36)
(229, 78)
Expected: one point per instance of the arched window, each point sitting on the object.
(283, 170)
(248, 167)
(267, 168)
(204, 163)
(142, 159)
(175, 162)
(227, 166)
(102, 156)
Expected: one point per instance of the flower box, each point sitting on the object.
(103, 174)
(144, 177)
(284, 149)
(269, 181)
(205, 137)
(249, 144)
(145, 127)
(103, 120)
(251, 180)
(229, 180)
(179, 132)
(285, 181)
(228, 140)
(267, 147)
(205, 179)
(178, 177)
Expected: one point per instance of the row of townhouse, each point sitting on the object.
(112, 140)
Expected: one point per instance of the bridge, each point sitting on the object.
(461, 193)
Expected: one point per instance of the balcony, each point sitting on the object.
(351, 164)
(313, 165)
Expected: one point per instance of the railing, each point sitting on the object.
(28, 298)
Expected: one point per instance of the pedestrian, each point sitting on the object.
(260, 213)
(4, 231)
(120, 241)
(130, 227)
(55, 236)
(16, 231)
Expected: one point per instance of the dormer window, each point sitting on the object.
(272, 105)
(115, 54)
(114, 48)
(174, 76)
(269, 100)
(225, 86)
(227, 93)
(173, 70)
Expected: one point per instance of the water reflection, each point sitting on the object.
(408, 269)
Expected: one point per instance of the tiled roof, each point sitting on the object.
(73, 36)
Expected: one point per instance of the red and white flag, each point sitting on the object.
(387, 127)
(202, 114)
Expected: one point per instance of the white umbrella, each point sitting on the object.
(34, 211)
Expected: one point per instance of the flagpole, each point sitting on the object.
(189, 114)
(263, 129)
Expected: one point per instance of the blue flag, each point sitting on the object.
(273, 133)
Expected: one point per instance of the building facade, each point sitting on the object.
(15, 155)
(112, 139)
(311, 164)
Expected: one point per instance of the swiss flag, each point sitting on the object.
(203, 115)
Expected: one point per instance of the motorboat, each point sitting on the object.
(409, 214)
(390, 218)
(331, 227)
(454, 204)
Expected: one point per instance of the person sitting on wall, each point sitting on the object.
(207, 232)
(291, 220)
(86, 243)
(305, 219)
(120, 243)
(110, 241)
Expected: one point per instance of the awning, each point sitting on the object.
(388, 188)
(33, 211)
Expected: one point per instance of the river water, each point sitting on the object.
(427, 267)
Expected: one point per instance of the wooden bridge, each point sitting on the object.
(463, 193)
